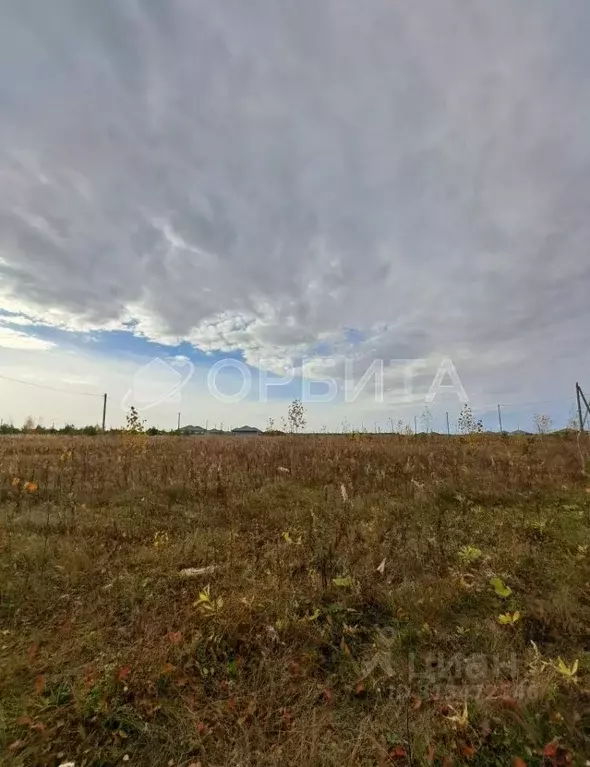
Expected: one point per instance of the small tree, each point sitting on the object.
(134, 423)
(466, 422)
(270, 426)
(296, 416)
(542, 423)
(29, 424)
(426, 419)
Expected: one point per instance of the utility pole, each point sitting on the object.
(178, 422)
(500, 418)
(581, 398)
(415, 424)
(448, 427)
(104, 413)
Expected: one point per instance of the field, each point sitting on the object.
(368, 601)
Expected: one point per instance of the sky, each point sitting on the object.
(293, 191)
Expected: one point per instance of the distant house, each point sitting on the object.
(193, 430)
(246, 431)
(216, 431)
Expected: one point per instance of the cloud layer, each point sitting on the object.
(264, 176)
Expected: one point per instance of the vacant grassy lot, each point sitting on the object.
(374, 601)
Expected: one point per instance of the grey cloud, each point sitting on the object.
(313, 166)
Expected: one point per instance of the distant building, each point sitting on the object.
(216, 431)
(246, 431)
(193, 430)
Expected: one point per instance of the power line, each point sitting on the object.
(50, 388)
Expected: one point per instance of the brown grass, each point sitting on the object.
(299, 652)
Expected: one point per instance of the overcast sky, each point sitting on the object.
(281, 180)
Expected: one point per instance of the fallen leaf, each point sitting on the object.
(174, 637)
(500, 587)
(124, 672)
(39, 684)
(550, 750)
(399, 752)
(518, 762)
(359, 689)
(344, 582)
(507, 702)
(430, 754)
(39, 727)
(468, 750)
(416, 703)
(32, 652)
(168, 668)
(24, 720)
(327, 693)
(381, 568)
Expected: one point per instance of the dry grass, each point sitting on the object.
(300, 651)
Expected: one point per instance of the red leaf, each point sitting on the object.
(202, 728)
(26, 721)
(32, 652)
(39, 684)
(88, 677)
(168, 668)
(468, 750)
(124, 672)
(398, 752)
(359, 689)
(416, 703)
(550, 750)
(327, 693)
(518, 762)
(174, 637)
(287, 718)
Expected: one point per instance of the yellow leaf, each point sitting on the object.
(509, 619)
(343, 583)
(500, 587)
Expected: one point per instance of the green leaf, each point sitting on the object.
(500, 588)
